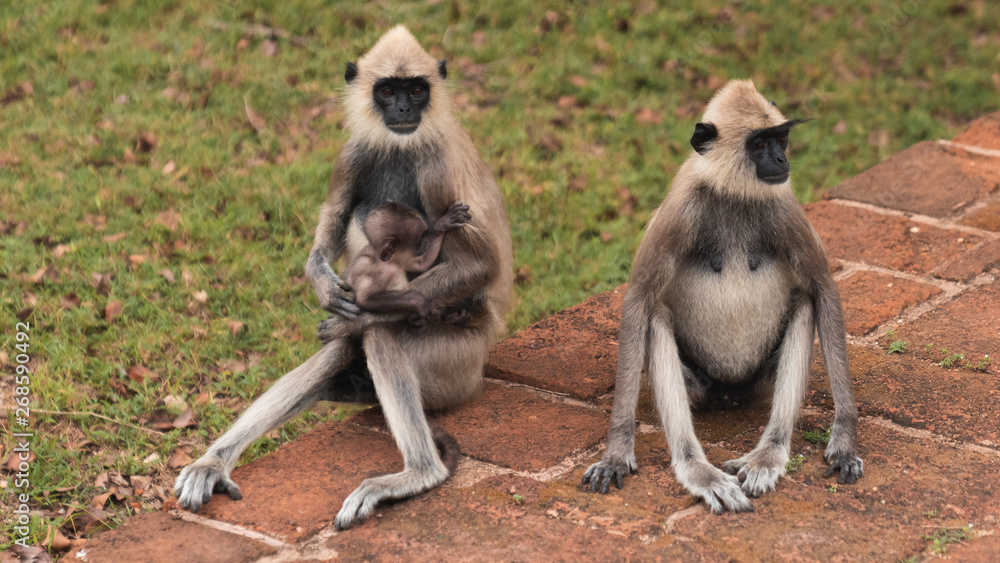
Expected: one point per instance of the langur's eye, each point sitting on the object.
(387, 92)
(417, 91)
(760, 144)
(784, 139)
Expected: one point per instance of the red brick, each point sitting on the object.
(860, 235)
(878, 518)
(157, 537)
(298, 490)
(871, 298)
(573, 351)
(515, 428)
(983, 132)
(968, 324)
(914, 392)
(483, 524)
(928, 178)
(966, 266)
(987, 217)
(985, 549)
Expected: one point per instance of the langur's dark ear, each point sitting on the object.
(443, 68)
(351, 73)
(704, 133)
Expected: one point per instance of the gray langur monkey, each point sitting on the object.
(728, 286)
(406, 146)
(399, 243)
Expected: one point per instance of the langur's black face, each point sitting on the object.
(766, 148)
(401, 100)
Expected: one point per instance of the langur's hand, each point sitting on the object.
(456, 216)
(336, 296)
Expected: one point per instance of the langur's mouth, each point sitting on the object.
(775, 178)
(404, 128)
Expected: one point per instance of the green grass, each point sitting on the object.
(820, 436)
(940, 540)
(581, 177)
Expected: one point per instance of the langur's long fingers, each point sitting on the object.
(346, 308)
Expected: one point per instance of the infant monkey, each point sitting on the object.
(399, 243)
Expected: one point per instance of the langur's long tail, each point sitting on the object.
(447, 447)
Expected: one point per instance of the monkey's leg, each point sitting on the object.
(760, 469)
(398, 390)
(290, 395)
(720, 491)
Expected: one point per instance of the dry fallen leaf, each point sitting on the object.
(112, 311)
(46, 273)
(14, 461)
(180, 457)
(169, 168)
(114, 238)
(566, 101)
(174, 402)
(101, 282)
(269, 47)
(185, 419)
(169, 219)
(140, 483)
(258, 122)
(646, 116)
(235, 327)
(878, 138)
(100, 501)
(140, 374)
(145, 142)
(55, 540)
(71, 301)
(167, 275)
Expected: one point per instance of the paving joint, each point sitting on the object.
(928, 435)
(970, 148)
(917, 217)
(230, 529)
(557, 397)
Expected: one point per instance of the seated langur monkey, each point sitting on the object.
(399, 243)
(728, 286)
(406, 146)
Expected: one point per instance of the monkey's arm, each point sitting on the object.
(456, 216)
(811, 264)
(329, 244)
(468, 262)
(841, 450)
(652, 273)
(619, 456)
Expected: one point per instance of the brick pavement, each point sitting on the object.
(915, 247)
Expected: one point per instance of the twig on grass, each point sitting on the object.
(262, 31)
(102, 417)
